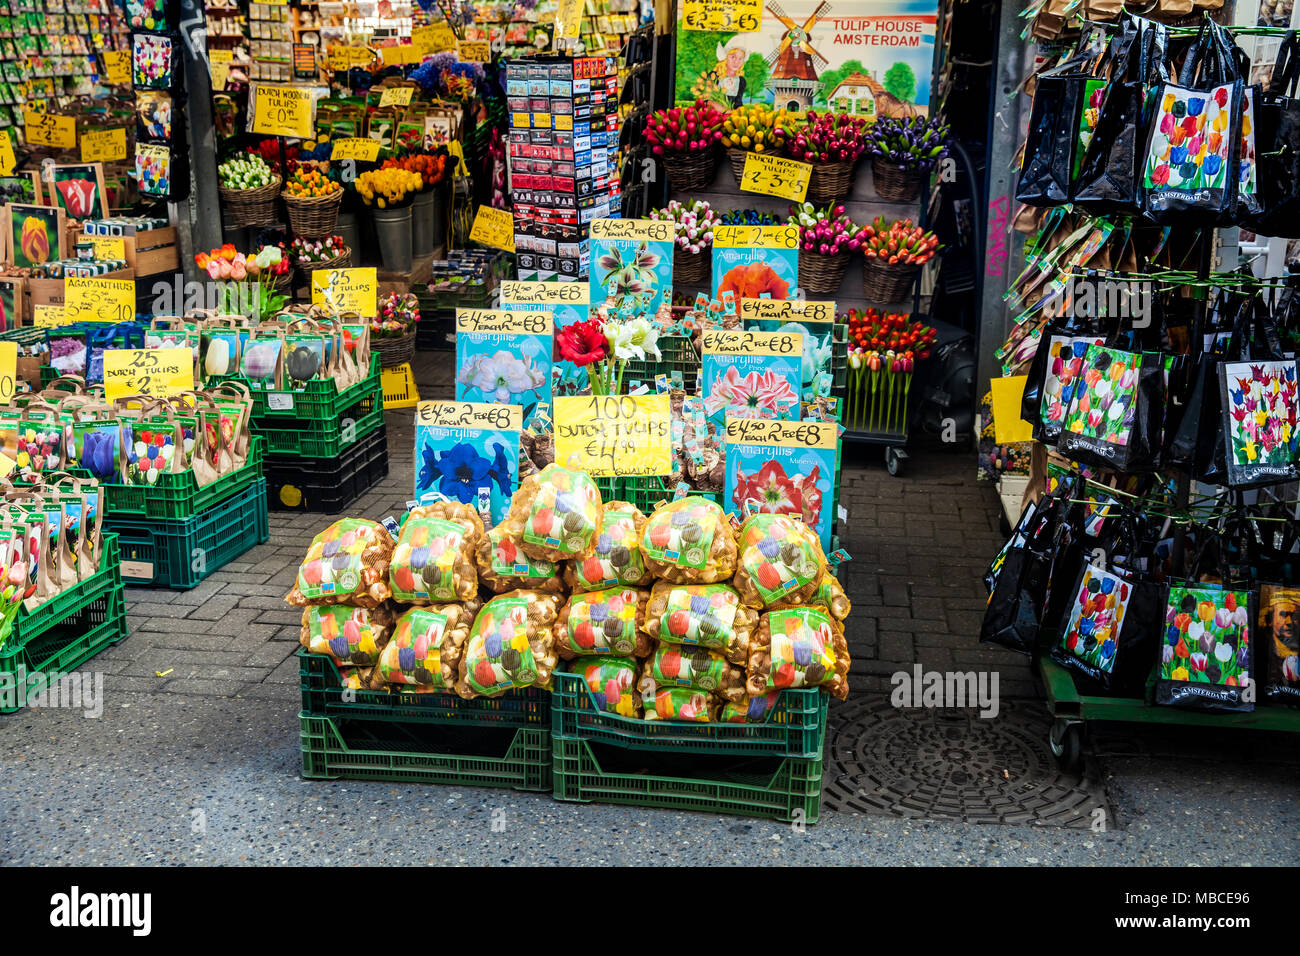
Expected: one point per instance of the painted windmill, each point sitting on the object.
(794, 61)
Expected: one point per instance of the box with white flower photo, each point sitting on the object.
(504, 357)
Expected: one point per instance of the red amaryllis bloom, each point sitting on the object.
(582, 343)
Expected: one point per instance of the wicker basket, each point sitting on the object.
(690, 171)
(893, 183)
(830, 182)
(737, 158)
(315, 216)
(394, 352)
(882, 282)
(822, 275)
(283, 284)
(338, 262)
(250, 207)
(692, 268)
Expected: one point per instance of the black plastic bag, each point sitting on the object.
(1014, 612)
(1110, 172)
(1183, 183)
(1052, 141)
(1277, 144)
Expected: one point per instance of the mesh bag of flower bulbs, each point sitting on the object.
(556, 515)
(511, 645)
(434, 558)
(347, 563)
(503, 566)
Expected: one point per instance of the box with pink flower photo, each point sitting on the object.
(751, 375)
(783, 468)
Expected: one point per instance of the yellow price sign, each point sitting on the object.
(219, 62)
(346, 290)
(157, 372)
(433, 39)
(396, 96)
(470, 415)
(343, 58)
(545, 293)
(568, 18)
(1008, 426)
(48, 316)
(494, 227)
(776, 176)
(756, 237)
(637, 230)
(504, 322)
(96, 299)
(786, 310)
(607, 435)
(103, 145)
(283, 111)
(723, 16)
(736, 342)
(360, 148)
(117, 67)
(50, 129)
(475, 51)
(108, 247)
(757, 431)
(7, 159)
(8, 370)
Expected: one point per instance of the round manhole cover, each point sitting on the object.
(944, 764)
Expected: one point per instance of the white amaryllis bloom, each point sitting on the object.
(635, 339)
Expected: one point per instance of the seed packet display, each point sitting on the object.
(751, 375)
(755, 262)
(1205, 657)
(1278, 641)
(631, 264)
(568, 302)
(78, 190)
(469, 453)
(815, 321)
(1260, 409)
(153, 61)
(504, 358)
(783, 468)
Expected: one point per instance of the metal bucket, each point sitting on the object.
(393, 229)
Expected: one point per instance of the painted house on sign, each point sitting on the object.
(859, 93)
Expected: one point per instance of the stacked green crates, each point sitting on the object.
(65, 631)
(767, 769)
(435, 738)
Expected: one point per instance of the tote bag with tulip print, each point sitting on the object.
(1191, 169)
(1279, 643)
(1108, 420)
(1090, 640)
(1065, 355)
(1205, 656)
(1260, 409)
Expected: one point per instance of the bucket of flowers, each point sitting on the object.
(693, 225)
(902, 152)
(832, 143)
(827, 238)
(388, 194)
(249, 285)
(392, 331)
(684, 138)
(754, 129)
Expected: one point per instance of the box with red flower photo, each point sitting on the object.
(779, 467)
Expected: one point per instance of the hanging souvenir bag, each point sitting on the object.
(1059, 99)
(1190, 168)
(1115, 413)
(1055, 372)
(1015, 607)
(1277, 142)
(1278, 640)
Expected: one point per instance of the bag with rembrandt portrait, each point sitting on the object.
(1278, 644)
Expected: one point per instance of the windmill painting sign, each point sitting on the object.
(872, 58)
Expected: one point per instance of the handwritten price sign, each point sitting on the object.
(545, 293)
(637, 230)
(7, 159)
(776, 176)
(606, 435)
(346, 290)
(117, 67)
(732, 342)
(50, 129)
(8, 370)
(502, 321)
(756, 237)
(730, 16)
(156, 372)
(781, 434)
(283, 111)
(470, 415)
(103, 146)
(361, 148)
(493, 227)
(396, 96)
(93, 299)
(786, 310)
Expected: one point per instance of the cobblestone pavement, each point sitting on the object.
(215, 739)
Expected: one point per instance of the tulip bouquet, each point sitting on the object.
(748, 217)
(874, 331)
(240, 295)
(693, 224)
(883, 351)
(308, 252)
(757, 128)
(900, 242)
(829, 138)
(605, 344)
(432, 169)
(388, 188)
(310, 183)
(827, 231)
(684, 129)
(916, 144)
(398, 313)
(250, 172)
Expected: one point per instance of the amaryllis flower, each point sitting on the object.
(771, 488)
(582, 342)
(501, 375)
(774, 392)
(645, 260)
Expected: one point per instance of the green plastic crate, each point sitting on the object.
(677, 352)
(518, 758)
(177, 497)
(31, 624)
(648, 491)
(318, 400)
(323, 696)
(63, 647)
(779, 788)
(180, 554)
(314, 438)
(795, 727)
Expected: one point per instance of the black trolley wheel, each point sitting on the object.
(1066, 742)
(893, 462)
